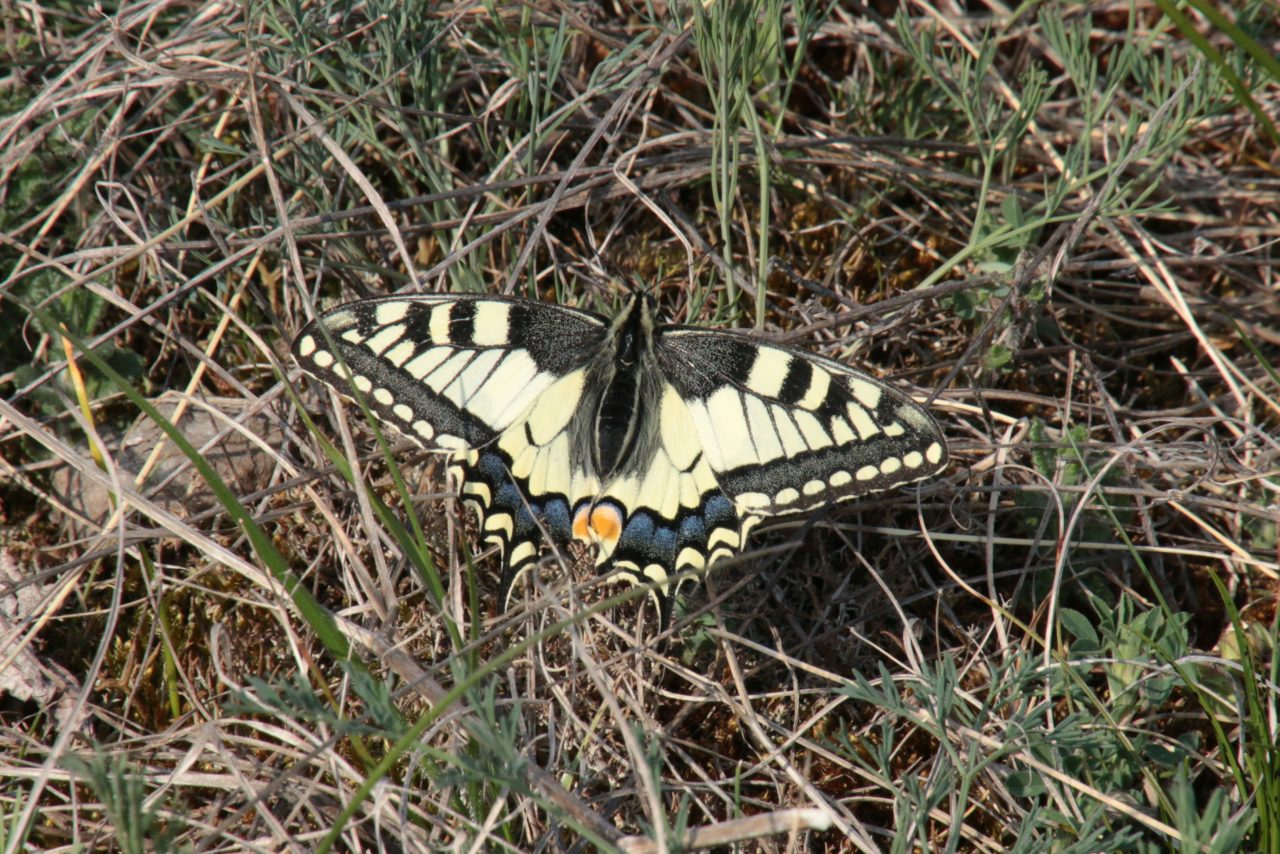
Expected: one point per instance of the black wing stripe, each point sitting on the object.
(796, 383)
(462, 323)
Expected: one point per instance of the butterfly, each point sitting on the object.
(661, 445)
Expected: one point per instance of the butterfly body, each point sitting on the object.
(659, 445)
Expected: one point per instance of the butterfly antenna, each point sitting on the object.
(634, 286)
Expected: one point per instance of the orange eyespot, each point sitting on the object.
(606, 521)
(599, 524)
(581, 519)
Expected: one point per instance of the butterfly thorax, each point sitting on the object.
(615, 431)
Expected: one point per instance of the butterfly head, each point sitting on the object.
(632, 329)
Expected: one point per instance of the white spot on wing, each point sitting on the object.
(862, 421)
(582, 485)
(768, 371)
(306, 346)
(707, 432)
(690, 495)
(763, 434)
(427, 362)
(520, 403)
(323, 358)
(914, 416)
(500, 523)
(510, 389)
(868, 473)
(388, 313)
(660, 490)
(841, 432)
(340, 319)
(703, 478)
(913, 460)
(544, 467)
(559, 477)
(472, 378)
(439, 325)
(492, 323)
(679, 433)
(788, 495)
(451, 443)
(538, 473)
(868, 394)
(400, 353)
(626, 491)
(690, 558)
(728, 536)
(934, 453)
(523, 464)
(792, 441)
(385, 338)
(522, 552)
(729, 424)
(555, 406)
(452, 366)
(479, 491)
(818, 386)
(811, 427)
(654, 572)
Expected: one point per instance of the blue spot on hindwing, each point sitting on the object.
(507, 497)
(692, 531)
(646, 541)
(555, 515)
(492, 468)
(719, 513)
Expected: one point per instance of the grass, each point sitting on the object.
(239, 617)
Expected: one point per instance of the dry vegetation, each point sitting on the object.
(1062, 233)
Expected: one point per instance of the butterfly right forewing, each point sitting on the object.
(787, 431)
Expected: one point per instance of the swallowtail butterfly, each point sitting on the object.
(661, 445)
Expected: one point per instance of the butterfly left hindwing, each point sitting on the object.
(659, 445)
(458, 372)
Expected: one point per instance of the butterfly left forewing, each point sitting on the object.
(449, 371)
